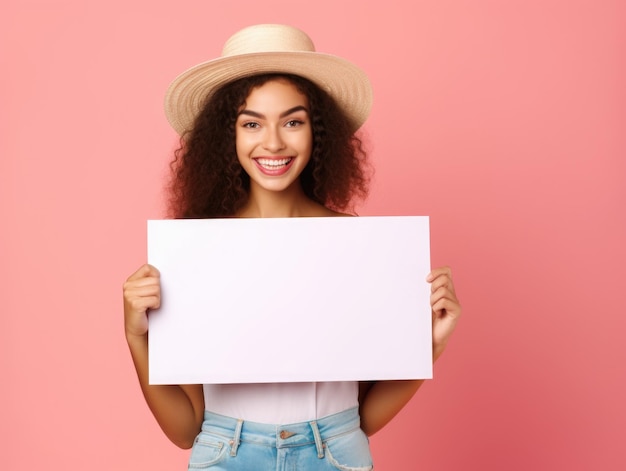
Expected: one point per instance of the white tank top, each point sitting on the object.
(281, 403)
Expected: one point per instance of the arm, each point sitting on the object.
(382, 400)
(179, 410)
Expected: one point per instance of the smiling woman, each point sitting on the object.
(275, 138)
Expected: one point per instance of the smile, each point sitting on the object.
(273, 167)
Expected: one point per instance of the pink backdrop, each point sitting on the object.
(503, 121)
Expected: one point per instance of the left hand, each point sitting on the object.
(445, 306)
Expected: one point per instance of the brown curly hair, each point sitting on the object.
(208, 181)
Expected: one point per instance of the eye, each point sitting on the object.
(292, 123)
(250, 125)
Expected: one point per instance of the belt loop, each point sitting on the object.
(236, 439)
(318, 439)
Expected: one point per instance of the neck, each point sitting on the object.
(263, 203)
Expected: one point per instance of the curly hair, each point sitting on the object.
(208, 181)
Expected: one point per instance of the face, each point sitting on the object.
(273, 136)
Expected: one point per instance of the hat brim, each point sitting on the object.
(345, 82)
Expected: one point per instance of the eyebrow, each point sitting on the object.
(282, 115)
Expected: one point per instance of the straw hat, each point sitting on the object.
(269, 49)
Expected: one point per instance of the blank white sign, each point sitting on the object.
(290, 300)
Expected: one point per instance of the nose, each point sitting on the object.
(272, 140)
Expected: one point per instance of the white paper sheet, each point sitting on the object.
(290, 300)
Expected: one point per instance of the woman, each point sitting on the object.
(267, 130)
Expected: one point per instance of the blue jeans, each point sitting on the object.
(335, 442)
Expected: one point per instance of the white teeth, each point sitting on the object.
(273, 162)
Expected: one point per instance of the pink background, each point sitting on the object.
(502, 120)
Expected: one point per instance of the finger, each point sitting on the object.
(449, 306)
(144, 271)
(141, 282)
(132, 291)
(142, 304)
(442, 281)
(141, 291)
(439, 272)
(441, 293)
(142, 294)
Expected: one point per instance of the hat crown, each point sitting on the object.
(268, 49)
(267, 38)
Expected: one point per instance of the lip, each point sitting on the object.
(276, 172)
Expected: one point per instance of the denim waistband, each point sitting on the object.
(282, 435)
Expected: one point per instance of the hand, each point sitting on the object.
(142, 291)
(445, 308)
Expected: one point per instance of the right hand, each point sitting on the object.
(142, 291)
